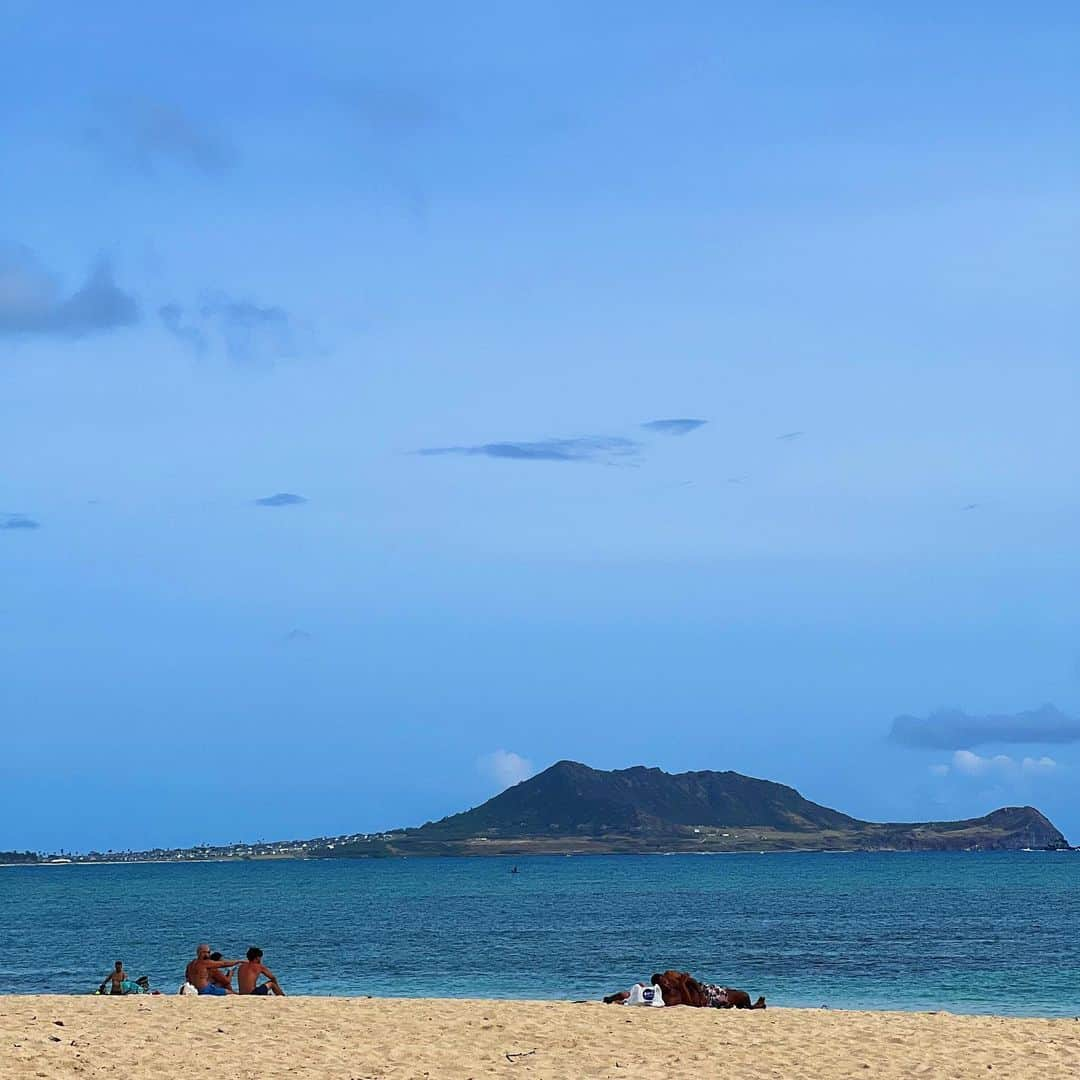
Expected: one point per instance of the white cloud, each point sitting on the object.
(972, 764)
(505, 767)
(968, 763)
(1037, 766)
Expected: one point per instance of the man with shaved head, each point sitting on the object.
(199, 970)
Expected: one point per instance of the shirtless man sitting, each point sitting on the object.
(199, 973)
(247, 976)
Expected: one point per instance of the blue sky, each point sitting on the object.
(247, 255)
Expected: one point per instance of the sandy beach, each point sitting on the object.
(365, 1038)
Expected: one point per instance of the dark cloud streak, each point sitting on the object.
(677, 426)
(588, 448)
(281, 498)
(953, 729)
(14, 522)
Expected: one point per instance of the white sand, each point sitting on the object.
(352, 1038)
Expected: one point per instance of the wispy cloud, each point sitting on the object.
(249, 332)
(172, 318)
(296, 636)
(156, 134)
(585, 448)
(505, 767)
(391, 113)
(677, 426)
(14, 522)
(281, 498)
(164, 132)
(953, 729)
(33, 304)
(389, 124)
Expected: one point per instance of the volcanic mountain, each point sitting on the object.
(571, 808)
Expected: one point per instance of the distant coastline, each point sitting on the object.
(572, 809)
(139, 859)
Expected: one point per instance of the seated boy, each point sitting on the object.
(247, 976)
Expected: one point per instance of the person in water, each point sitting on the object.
(118, 976)
(221, 976)
(198, 972)
(247, 976)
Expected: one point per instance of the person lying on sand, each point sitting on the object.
(198, 972)
(118, 976)
(681, 988)
(247, 976)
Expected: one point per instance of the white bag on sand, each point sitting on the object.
(187, 988)
(645, 995)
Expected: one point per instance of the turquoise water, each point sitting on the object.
(971, 933)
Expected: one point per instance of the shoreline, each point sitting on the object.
(1069, 1015)
(406, 1038)
(1071, 850)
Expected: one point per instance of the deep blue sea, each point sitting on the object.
(963, 932)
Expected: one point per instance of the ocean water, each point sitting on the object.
(964, 932)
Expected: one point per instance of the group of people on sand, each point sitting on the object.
(208, 975)
(681, 988)
(211, 975)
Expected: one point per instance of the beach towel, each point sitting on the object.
(645, 995)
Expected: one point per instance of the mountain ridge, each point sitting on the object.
(571, 808)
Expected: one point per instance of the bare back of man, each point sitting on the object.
(199, 972)
(248, 973)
